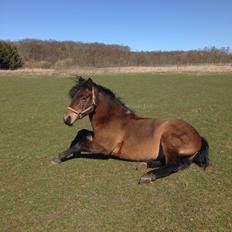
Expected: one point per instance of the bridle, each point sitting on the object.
(88, 110)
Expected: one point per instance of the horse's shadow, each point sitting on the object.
(96, 156)
(93, 157)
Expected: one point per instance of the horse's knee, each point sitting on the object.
(84, 133)
(82, 137)
(170, 146)
(170, 156)
(172, 160)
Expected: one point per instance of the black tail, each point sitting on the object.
(202, 157)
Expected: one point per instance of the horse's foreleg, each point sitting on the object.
(92, 146)
(83, 142)
(65, 155)
(75, 146)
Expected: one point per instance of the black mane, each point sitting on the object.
(83, 83)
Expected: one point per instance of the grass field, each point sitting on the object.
(104, 195)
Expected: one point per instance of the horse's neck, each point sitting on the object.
(106, 111)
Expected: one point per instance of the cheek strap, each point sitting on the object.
(88, 110)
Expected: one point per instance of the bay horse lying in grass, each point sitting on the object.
(118, 131)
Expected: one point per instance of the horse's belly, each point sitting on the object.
(140, 150)
(142, 141)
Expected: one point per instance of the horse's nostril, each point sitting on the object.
(68, 120)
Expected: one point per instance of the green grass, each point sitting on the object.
(103, 195)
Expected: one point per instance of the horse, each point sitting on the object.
(166, 145)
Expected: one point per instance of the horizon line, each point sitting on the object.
(115, 44)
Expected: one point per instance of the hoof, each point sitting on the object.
(146, 179)
(56, 160)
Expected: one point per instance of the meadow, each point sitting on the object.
(103, 195)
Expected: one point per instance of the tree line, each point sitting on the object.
(66, 54)
(9, 57)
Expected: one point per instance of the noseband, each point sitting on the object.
(88, 110)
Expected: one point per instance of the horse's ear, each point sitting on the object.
(90, 80)
(80, 79)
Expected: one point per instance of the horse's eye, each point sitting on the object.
(84, 98)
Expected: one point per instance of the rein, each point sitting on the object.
(88, 110)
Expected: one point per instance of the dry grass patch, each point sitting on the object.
(199, 69)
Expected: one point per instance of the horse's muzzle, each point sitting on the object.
(68, 120)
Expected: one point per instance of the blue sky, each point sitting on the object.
(140, 24)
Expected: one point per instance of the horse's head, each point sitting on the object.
(82, 101)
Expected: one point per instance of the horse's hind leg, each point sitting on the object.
(154, 164)
(155, 174)
(148, 164)
(162, 172)
(159, 161)
(75, 146)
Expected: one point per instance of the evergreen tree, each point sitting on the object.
(9, 57)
